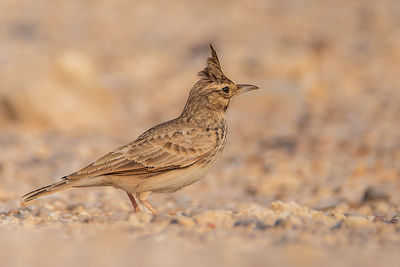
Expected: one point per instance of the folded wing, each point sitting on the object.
(150, 155)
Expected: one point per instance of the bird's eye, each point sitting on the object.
(225, 89)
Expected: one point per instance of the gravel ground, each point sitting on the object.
(311, 172)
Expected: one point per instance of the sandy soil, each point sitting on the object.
(311, 172)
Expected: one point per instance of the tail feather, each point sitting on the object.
(47, 190)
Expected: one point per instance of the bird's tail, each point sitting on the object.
(47, 190)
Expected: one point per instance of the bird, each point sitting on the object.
(168, 156)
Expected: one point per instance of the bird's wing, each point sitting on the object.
(152, 154)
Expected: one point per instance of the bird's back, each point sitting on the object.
(175, 144)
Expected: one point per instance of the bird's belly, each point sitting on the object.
(166, 182)
(173, 180)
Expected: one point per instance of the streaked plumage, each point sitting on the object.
(171, 155)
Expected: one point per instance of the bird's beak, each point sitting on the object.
(242, 88)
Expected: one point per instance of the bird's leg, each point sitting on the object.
(136, 207)
(143, 199)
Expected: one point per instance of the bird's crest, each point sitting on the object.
(212, 72)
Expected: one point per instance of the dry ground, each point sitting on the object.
(311, 172)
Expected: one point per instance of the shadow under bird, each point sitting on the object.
(169, 156)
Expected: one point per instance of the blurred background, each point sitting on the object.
(79, 78)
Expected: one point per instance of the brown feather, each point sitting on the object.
(212, 73)
(158, 153)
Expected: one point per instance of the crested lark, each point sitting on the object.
(169, 156)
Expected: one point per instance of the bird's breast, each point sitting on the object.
(219, 130)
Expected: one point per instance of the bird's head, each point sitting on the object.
(214, 90)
